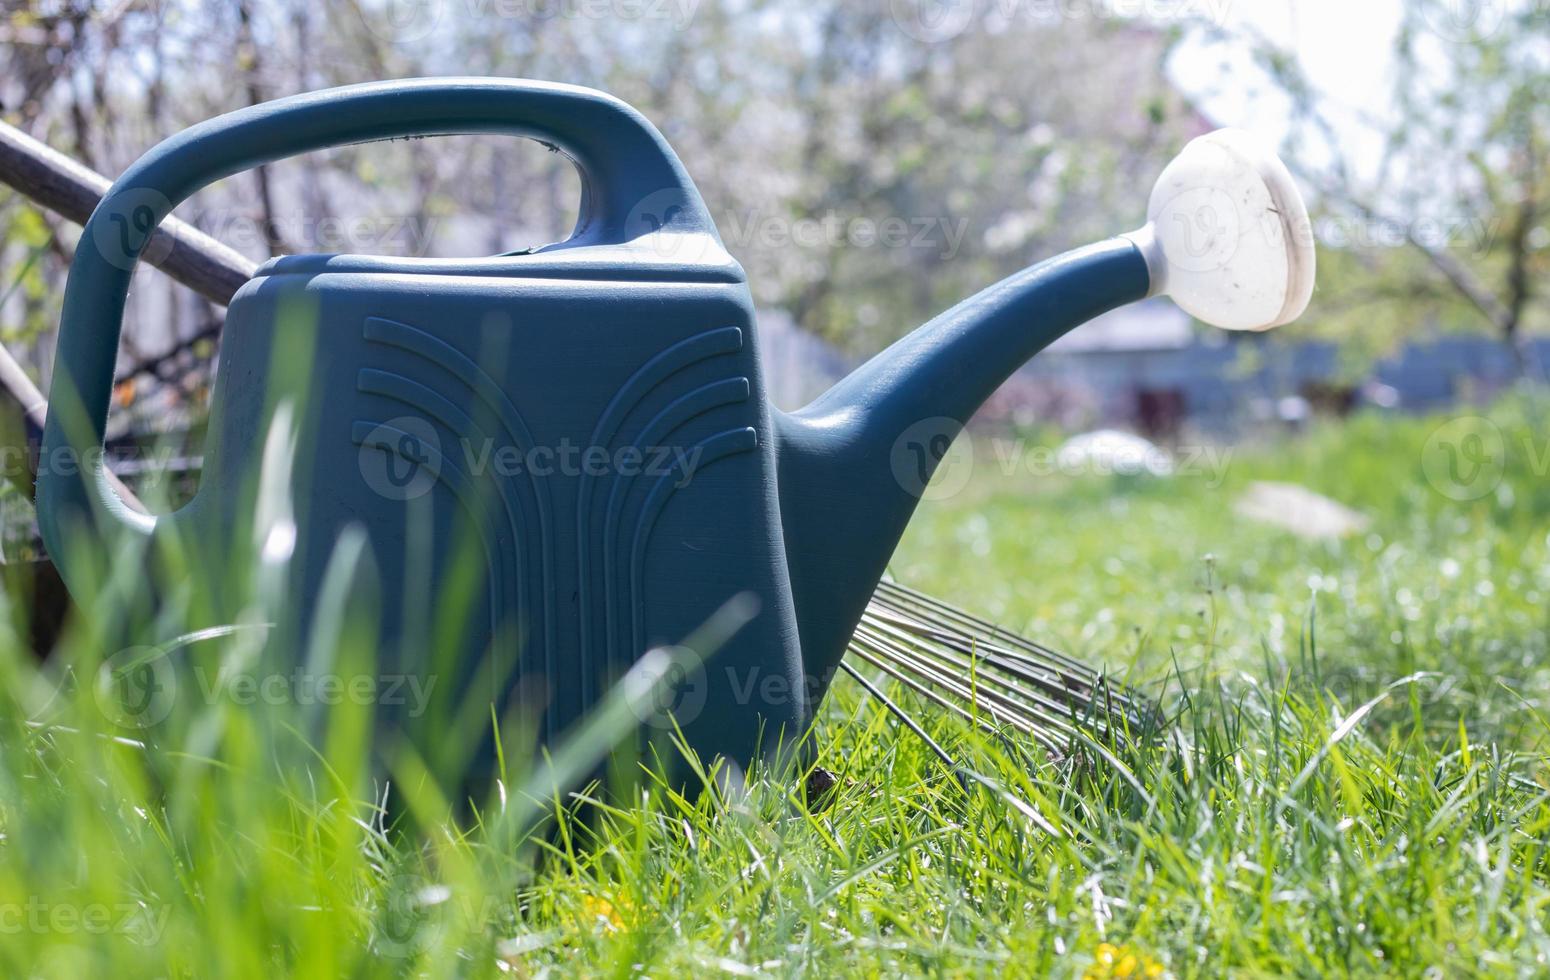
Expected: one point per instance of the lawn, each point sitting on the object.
(1352, 776)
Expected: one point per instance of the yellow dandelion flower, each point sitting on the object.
(600, 913)
(1111, 962)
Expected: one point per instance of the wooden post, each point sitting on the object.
(71, 190)
(214, 271)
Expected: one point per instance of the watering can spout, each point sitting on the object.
(855, 462)
(1227, 238)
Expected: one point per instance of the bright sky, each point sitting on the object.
(1344, 47)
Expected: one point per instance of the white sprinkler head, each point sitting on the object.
(1228, 236)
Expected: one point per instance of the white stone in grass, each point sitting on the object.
(1299, 510)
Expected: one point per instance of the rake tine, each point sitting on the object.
(1036, 728)
(993, 678)
(995, 702)
(1039, 733)
(901, 714)
(941, 618)
(953, 628)
(1052, 695)
(964, 776)
(954, 680)
(903, 595)
(1001, 711)
(932, 695)
(925, 631)
(1013, 645)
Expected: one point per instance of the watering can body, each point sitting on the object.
(580, 438)
(571, 446)
(567, 452)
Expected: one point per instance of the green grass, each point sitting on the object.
(1353, 779)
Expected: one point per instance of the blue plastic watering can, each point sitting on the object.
(594, 410)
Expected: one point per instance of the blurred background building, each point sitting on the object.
(869, 164)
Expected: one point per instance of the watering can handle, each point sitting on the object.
(626, 167)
